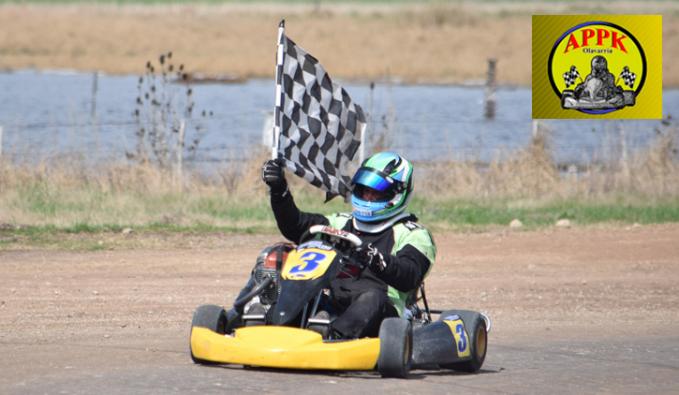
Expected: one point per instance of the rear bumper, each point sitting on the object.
(284, 347)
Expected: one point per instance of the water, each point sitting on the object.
(46, 114)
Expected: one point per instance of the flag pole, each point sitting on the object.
(361, 149)
(279, 91)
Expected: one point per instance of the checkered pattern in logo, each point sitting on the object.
(321, 126)
(571, 76)
(628, 77)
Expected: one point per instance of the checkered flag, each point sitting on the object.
(318, 127)
(570, 76)
(628, 77)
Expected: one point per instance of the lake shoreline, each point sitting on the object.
(230, 80)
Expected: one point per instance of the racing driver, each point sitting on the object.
(397, 251)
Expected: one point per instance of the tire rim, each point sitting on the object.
(481, 341)
(406, 354)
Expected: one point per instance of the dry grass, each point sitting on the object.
(530, 173)
(66, 194)
(427, 43)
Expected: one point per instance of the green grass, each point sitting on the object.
(256, 218)
(41, 207)
(69, 213)
(223, 209)
(469, 213)
(222, 214)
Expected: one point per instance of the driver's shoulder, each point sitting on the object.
(418, 238)
(411, 225)
(338, 220)
(409, 231)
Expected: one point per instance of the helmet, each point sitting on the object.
(599, 65)
(382, 187)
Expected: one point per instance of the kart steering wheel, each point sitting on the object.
(336, 234)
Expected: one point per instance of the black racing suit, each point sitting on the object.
(361, 301)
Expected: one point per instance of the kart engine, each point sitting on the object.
(269, 295)
(269, 264)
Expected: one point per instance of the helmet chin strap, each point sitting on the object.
(378, 226)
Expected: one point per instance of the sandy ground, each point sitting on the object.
(443, 43)
(574, 310)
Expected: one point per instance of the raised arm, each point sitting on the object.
(290, 220)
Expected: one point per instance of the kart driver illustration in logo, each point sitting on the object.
(606, 47)
(599, 90)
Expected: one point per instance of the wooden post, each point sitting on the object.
(369, 123)
(93, 111)
(535, 129)
(624, 161)
(490, 90)
(95, 88)
(179, 155)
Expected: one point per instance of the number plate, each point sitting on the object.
(461, 338)
(307, 264)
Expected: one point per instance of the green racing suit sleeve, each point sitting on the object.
(412, 257)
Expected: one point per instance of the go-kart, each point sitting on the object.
(276, 322)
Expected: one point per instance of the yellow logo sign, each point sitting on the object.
(596, 67)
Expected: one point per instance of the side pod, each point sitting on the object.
(435, 344)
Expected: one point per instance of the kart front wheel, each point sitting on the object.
(396, 348)
(211, 317)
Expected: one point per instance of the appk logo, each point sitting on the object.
(597, 66)
(606, 51)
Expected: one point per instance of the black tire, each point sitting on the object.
(476, 329)
(396, 348)
(211, 317)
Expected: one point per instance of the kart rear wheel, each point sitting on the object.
(477, 331)
(211, 317)
(396, 348)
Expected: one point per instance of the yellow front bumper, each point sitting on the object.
(284, 347)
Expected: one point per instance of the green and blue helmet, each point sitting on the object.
(387, 176)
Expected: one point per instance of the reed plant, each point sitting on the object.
(165, 116)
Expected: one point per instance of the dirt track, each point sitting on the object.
(574, 310)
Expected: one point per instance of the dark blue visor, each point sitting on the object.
(372, 179)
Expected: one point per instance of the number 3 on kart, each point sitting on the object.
(460, 335)
(462, 343)
(310, 259)
(307, 264)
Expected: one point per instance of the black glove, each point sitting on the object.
(272, 175)
(372, 258)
